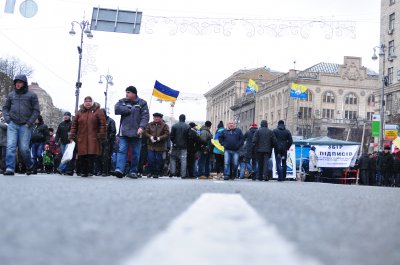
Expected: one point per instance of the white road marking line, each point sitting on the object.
(220, 229)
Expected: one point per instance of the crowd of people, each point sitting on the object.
(141, 147)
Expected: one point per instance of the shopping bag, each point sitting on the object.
(69, 152)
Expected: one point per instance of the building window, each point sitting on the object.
(328, 97)
(351, 99)
(391, 21)
(369, 116)
(371, 100)
(392, 2)
(350, 114)
(305, 113)
(309, 96)
(328, 113)
(391, 49)
(390, 75)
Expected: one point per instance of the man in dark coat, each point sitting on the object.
(179, 139)
(231, 139)
(284, 142)
(103, 161)
(386, 165)
(62, 140)
(40, 136)
(364, 167)
(193, 147)
(157, 133)
(396, 169)
(20, 111)
(264, 141)
(250, 155)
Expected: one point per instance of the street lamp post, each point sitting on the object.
(381, 54)
(109, 81)
(85, 29)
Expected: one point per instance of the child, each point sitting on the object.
(48, 159)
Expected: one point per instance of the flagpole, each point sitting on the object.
(150, 102)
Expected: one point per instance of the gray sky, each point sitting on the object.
(189, 62)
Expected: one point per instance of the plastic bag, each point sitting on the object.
(69, 152)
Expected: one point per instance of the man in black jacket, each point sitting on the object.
(179, 139)
(263, 142)
(193, 146)
(40, 136)
(20, 111)
(250, 155)
(283, 143)
(364, 168)
(62, 140)
(231, 139)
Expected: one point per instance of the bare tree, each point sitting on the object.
(13, 66)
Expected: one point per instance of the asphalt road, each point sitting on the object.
(53, 219)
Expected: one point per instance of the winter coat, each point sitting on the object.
(231, 139)
(364, 162)
(89, 130)
(157, 129)
(264, 139)
(396, 165)
(3, 134)
(248, 138)
(194, 141)
(21, 105)
(284, 139)
(216, 137)
(62, 132)
(111, 129)
(312, 161)
(205, 138)
(386, 162)
(179, 135)
(134, 115)
(40, 134)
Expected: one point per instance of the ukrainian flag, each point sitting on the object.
(164, 93)
(252, 87)
(298, 91)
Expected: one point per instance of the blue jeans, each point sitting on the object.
(124, 143)
(231, 158)
(243, 166)
(156, 162)
(204, 165)
(18, 135)
(36, 152)
(281, 167)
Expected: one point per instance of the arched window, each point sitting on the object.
(309, 96)
(351, 99)
(371, 100)
(328, 97)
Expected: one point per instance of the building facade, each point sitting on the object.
(389, 62)
(228, 100)
(340, 100)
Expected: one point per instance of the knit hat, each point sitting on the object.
(253, 125)
(67, 113)
(220, 125)
(131, 89)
